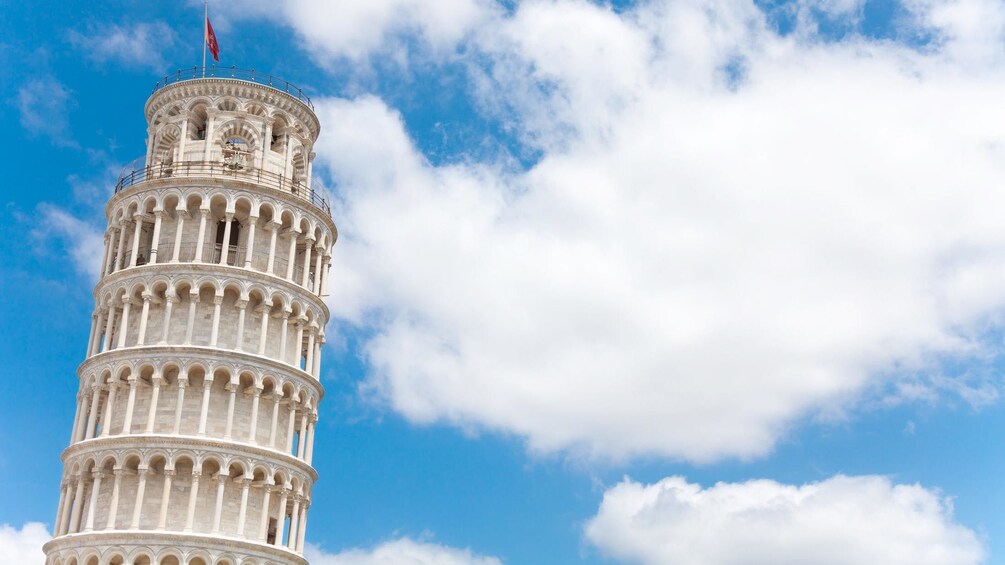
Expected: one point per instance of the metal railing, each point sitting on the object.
(211, 169)
(249, 75)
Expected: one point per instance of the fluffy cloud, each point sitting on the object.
(139, 44)
(840, 521)
(402, 551)
(728, 229)
(24, 546)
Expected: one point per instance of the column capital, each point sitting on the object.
(98, 473)
(218, 299)
(263, 308)
(242, 303)
(169, 472)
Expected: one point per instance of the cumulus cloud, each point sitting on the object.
(84, 243)
(138, 44)
(840, 521)
(728, 230)
(24, 546)
(44, 105)
(403, 551)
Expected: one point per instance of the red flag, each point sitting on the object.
(214, 47)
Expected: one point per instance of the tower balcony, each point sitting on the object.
(232, 171)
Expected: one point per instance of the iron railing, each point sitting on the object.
(249, 75)
(210, 169)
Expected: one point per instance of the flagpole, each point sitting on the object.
(205, 35)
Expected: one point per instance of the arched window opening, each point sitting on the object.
(232, 242)
(197, 122)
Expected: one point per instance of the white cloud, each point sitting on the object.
(139, 44)
(44, 105)
(840, 521)
(84, 243)
(24, 546)
(699, 259)
(403, 551)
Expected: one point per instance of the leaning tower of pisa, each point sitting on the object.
(198, 396)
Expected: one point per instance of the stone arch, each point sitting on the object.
(166, 145)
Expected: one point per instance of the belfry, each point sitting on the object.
(198, 399)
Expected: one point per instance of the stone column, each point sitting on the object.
(110, 253)
(281, 522)
(294, 523)
(91, 333)
(127, 422)
(106, 418)
(302, 530)
(215, 331)
(144, 317)
(308, 247)
(221, 482)
(113, 505)
(193, 300)
(274, 229)
(92, 413)
(290, 427)
(309, 454)
(79, 418)
(122, 245)
(203, 215)
(324, 276)
(316, 286)
(193, 496)
(263, 525)
(64, 520)
(282, 334)
(232, 388)
(301, 322)
(242, 305)
(127, 301)
(249, 248)
(169, 301)
(180, 216)
(225, 245)
(138, 220)
(154, 397)
(277, 396)
(106, 340)
(293, 254)
(317, 356)
(264, 310)
(242, 514)
(95, 490)
(158, 214)
(57, 524)
(207, 387)
(165, 499)
(182, 384)
(302, 440)
(78, 500)
(256, 394)
(141, 472)
(309, 362)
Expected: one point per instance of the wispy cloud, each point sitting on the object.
(44, 104)
(140, 45)
(403, 550)
(83, 242)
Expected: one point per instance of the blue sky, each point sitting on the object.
(657, 282)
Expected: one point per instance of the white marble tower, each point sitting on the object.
(198, 398)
